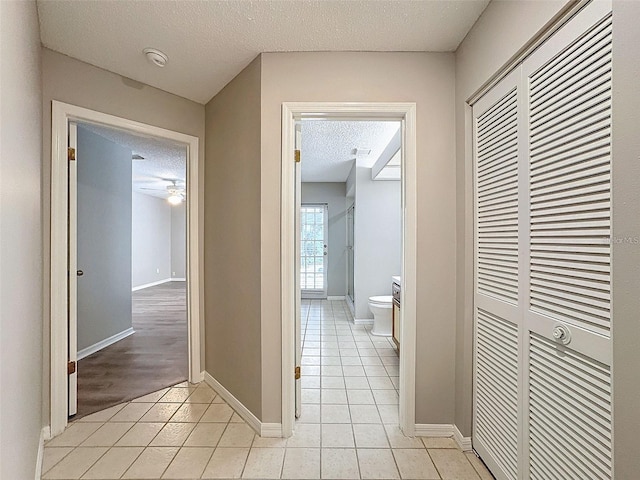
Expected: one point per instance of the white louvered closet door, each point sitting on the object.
(498, 137)
(568, 314)
(542, 156)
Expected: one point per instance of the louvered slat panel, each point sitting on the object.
(569, 413)
(570, 180)
(497, 199)
(497, 389)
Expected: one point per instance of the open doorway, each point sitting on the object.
(129, 199)
(349, 362)
(306, 317)
(63, 222)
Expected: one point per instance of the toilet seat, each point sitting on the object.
(381, 300)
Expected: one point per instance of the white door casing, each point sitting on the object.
(406, 113)
(542, 349)
(62, 115)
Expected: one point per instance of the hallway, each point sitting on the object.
(348, 428)
(152, 358)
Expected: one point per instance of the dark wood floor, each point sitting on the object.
(152, 358)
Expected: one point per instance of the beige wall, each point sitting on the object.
(503, 29)
(232, 238)
(78, 83)
(428, 80)
(626, 225)
(20, 240)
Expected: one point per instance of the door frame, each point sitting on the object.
(62, 114)
(316, 294)
(406, 113)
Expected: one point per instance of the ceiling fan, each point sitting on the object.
(176, 190)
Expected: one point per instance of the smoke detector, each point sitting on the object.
(156, 57)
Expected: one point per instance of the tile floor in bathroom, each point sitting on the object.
(348, 428)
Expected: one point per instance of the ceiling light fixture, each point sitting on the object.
(156, 57)
(175, 199)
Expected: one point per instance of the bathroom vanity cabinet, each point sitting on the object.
(395, 316)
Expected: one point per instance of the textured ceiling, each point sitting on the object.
(164, 161)
(327, 149)
(210, 42)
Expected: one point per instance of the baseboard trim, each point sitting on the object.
(336, 297)
(234, 403)
(434, 430)
(443, 430)
(152, 284)
(45, 434)
(85, 352)
(363, 321)
(177, 279)
(463, 442)
(271, 430)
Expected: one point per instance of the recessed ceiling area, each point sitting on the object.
(164, 161)
(210, 42)
(329, 147)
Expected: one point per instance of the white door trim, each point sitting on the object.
(62, 113)
(406, 112)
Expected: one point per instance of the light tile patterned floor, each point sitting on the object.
(348, 428)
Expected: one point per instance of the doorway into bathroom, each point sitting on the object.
(352, 383)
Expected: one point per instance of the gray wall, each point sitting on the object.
(150, 239)
(332, 194)
(20, 240)
(232, 234)
(179, 241)
(78, 83)
(626, 224)
(502, 29)
(427, 79)
(104, 238)
(377, 239)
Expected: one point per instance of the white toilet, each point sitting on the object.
(381, 307)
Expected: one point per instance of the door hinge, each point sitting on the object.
(71, 154)
(297, 156)
(297, 371)
(71, 368)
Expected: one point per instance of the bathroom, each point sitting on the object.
(352, 170)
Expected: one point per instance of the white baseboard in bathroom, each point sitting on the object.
(443, 430)
(176, 279)
(363, 321)
(45, 434)
(85, 352)
(234, 403)
(463, 442)
(336, 298)
(152, 284)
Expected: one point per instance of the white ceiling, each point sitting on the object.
(327, 149)
(164, 161)
(210, 42)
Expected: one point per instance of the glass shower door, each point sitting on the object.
(350, 260)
